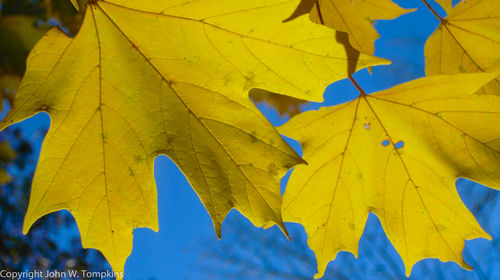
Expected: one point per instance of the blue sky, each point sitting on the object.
(185, 227)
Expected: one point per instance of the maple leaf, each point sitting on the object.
(466, 41)
(144, 78)
(396, 153)
(355, 17)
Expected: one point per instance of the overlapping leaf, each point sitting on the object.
(396, 153)
(144, 78)
(355, 17)
(353, 22)
(467, 41)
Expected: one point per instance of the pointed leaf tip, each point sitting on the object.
(75, 4)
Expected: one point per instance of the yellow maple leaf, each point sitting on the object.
(144, 78)
(467, 41)
(355, 17)
(396, 153)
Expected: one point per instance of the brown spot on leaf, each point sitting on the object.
(138, 158)
(272, 169)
